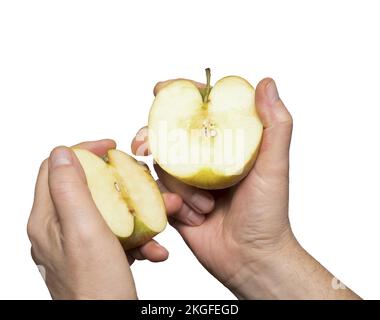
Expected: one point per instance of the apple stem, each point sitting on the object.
(208, 85)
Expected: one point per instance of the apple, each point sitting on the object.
(209, 137)
(125, 194)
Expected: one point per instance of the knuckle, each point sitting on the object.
(85, 235)
(287, 119)
(285, 124)
(283, 117)
(63, 187)
(290, 118)
(32, 231)
(34, 255)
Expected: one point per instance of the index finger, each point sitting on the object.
(99, 147)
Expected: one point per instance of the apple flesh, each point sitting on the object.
(207, 138)
(125, 194)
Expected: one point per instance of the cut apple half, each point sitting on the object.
(207, 138)
(126, 195)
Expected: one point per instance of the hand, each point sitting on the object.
(242, 235)
(81, 257)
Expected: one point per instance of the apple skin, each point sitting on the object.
(141, 235)
(208, 180)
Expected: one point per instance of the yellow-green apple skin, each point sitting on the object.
(206, 139)
(126, 195)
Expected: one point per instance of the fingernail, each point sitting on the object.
(60, 156)
(271, 91)
(202, 202)
(194, 218)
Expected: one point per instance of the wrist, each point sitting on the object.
(263, 270)
(288, 273)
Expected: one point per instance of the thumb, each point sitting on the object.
(70, 194)
(273, 158)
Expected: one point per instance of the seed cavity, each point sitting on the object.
(209, 128)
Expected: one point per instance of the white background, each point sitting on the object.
(80, 70)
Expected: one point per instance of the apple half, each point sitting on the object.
(125, 194)
(209, 137)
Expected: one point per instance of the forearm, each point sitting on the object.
(289, 274)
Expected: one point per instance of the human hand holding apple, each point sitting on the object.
(81, 256)
(242, 234)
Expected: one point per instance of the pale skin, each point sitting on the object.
(70, 239)
(241, 235)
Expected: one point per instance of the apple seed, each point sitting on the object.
(117, 187)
